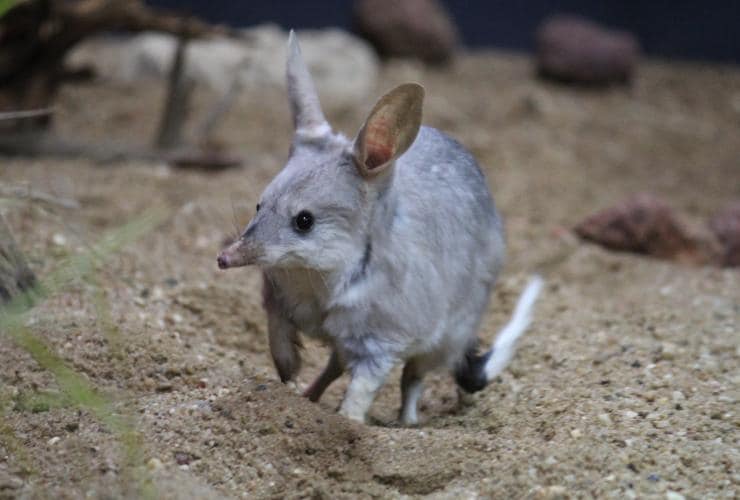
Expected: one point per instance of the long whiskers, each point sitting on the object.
(235, 221)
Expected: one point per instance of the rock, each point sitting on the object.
(59, 240)
(674, 495)
(344, 67)
(726, 226)
(605, 419)
(554, 492)
(184, 458)
(644, 225)
(154, 464)
(574, 49)
(419, 29)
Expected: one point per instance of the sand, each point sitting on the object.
(626, 386)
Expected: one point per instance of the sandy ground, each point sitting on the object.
(626, 386)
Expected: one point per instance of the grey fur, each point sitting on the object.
(399, 264)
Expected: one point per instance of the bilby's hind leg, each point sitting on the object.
(331, 372)
(411, 389)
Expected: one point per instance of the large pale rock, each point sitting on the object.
(344, 67)
(419, 29)
(574, 49)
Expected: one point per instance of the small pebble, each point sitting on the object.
(678, 396)
(605, 419)
(575, 433)
(164, 387)
(154, 464)
(59, 239)
(54, 440)
(673, 495)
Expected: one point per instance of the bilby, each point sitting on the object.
(386, 247)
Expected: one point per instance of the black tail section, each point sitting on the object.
(470, 375)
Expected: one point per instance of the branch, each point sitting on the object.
(86, 17)
(30, 113)
(178, 97)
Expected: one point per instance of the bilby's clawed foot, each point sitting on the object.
(411, 390)
(464, 399)
(408, 420)
(352, 414)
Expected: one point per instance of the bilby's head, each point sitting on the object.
(314, 212)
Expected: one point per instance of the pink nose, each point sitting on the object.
(223, 262)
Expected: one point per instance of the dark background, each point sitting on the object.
(683, 29)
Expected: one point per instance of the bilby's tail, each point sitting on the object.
(476, 371)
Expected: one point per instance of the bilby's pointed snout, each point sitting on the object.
(237, 254)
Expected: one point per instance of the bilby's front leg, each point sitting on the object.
(367, 377)
(332, 371)
(284, 347)
(282, 335)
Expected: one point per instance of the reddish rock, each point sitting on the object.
(574, 49)
(421, 29)
(726, 226)
(645, 225)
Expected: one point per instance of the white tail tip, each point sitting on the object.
(505, 343)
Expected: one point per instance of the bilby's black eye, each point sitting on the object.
(303, 222)
(258, 207)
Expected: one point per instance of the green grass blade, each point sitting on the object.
(76, 387)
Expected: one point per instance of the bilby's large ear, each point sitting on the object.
(304, 101)
(390, 129)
